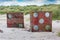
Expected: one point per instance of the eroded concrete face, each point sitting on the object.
(41, 19)
(15, 20)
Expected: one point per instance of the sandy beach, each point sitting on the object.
(23, 34)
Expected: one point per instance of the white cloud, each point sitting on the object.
(57, 2)
(20, 3)
(36, 2)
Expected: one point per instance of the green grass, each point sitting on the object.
(55, 9)
(58, 34)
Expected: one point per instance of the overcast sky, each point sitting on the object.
(28, 2)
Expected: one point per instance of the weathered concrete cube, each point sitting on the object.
(15, 20)
(41, 21)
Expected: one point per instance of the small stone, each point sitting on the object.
(1, 31)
